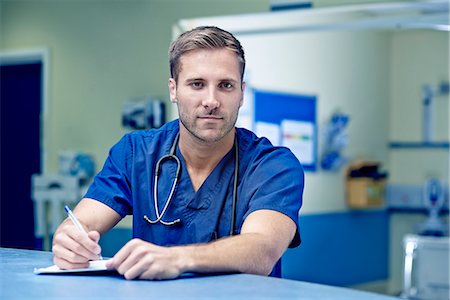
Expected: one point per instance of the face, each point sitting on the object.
(208, 93)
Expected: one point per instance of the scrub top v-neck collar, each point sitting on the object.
(204, 207)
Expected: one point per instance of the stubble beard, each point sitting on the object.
(192, 128)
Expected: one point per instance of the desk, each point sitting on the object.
(17, 281)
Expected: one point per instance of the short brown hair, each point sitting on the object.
(203, 37)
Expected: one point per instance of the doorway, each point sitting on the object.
(21, 99)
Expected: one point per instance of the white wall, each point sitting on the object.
(333, 66)
(417, 57)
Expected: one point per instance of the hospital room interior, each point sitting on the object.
(357, 89)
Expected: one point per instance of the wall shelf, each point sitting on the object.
(419, 145)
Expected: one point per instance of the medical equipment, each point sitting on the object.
(172, 156)
(77, 164)
(433, 196)
(426, 267)
(50, 192)
(143, 113)
(429, 94)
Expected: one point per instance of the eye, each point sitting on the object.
(197, 84)
(226, 85)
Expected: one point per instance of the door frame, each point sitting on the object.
(28, 56)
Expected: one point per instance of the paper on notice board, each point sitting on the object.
(94, 266)
(270, 131)
(299, 137)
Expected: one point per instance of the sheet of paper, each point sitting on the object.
(299, 137)
(270, 131)
(94, 266)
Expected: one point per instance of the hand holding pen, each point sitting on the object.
(76, 222)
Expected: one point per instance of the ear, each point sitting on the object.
(242, 93)
(173, 90)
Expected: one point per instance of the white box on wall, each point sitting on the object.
(409, 196)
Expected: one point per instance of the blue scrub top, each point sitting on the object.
(269, 178)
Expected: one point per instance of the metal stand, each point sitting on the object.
(50, 193)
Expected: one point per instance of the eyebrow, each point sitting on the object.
(202, 79)
(194, 79)
(229, 79)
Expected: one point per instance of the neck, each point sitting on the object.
(202, 157)
(200, 154)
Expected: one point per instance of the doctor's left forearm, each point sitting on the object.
(245, 253)
(264, 238)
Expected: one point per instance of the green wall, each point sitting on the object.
(101, 54)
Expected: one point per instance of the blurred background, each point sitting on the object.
(359, 90)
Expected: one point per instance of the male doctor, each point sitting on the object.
(234, 205)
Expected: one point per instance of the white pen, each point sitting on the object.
(76, 222)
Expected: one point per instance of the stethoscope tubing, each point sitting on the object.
(172, 156)
(236, 172)
(159, 216)
(172, 190)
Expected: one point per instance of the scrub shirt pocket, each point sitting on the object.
(201, 219)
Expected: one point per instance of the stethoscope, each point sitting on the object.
(172, 156)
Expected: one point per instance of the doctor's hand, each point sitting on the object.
(72, 248)
(143, 260)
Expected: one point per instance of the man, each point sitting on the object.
(233, 207)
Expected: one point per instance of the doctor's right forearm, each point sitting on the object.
(96, 216)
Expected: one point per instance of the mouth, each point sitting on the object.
(210, 117)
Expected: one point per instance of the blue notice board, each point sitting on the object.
(296, 117)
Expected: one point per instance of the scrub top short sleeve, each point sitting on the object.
(111, 185)
(273, 180)
(280, 191)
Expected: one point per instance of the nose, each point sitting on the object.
(210, 101)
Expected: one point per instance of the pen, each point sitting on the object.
(76, 222)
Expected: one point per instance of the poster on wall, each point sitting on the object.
(288, 120)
